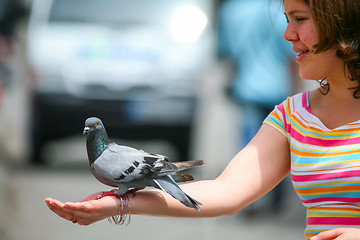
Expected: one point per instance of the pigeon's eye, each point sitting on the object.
(95, 124)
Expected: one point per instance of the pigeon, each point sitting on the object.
(127, 168)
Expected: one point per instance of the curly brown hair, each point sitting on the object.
(338, 24)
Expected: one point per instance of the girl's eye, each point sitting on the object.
(299, 19)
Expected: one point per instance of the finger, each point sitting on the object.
(86, 214)
(49, 200)
(328, 235)
(57, 207)
(57, 203)
(68, 207)
(72, 216)
(86, 206)
(81, 217)
(53, 203)
(92, 205)
(74, 206)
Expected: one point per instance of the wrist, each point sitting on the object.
(121, 213)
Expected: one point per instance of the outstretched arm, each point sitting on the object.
(254, 171)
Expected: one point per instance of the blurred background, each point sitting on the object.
(157, 74)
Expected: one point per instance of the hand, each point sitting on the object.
(85, 212)
(339, 234)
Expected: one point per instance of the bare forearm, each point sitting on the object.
(157, 203)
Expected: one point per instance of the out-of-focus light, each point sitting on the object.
(187, 24)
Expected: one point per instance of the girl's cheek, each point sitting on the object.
(312, 36)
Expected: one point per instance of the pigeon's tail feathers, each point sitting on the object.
(168, 185)
(182, 177)
(188, 164)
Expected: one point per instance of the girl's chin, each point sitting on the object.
(309, 75)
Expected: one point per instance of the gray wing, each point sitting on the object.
(168, 185)
(121, 164)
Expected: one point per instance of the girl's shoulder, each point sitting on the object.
(295, 103)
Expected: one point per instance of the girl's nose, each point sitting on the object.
(290, 34)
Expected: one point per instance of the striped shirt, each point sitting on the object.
(325, 165)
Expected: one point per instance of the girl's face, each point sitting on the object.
(303, 35)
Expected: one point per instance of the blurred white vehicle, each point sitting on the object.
(135, 64)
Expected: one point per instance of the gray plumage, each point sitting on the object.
(127, 168)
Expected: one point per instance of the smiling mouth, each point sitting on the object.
(303, 52)
(301, 55)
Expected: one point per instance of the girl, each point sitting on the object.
(314, 136)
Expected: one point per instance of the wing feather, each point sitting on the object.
(125, 164)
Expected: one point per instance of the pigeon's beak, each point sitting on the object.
(86, 130)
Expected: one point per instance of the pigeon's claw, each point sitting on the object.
(111, 193)
(134, 190)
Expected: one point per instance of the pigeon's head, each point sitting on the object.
(91, 124)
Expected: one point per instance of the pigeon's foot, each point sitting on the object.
(111, 193)
(115, 193)
(134, 190)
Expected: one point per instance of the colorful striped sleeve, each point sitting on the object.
(279, 118)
